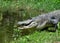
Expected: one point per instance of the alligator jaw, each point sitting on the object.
(27, 24)
(33, 24)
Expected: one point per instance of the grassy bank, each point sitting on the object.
(12, 11)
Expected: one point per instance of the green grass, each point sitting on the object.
(38, 37)
(30, 8)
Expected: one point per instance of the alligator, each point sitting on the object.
(41, 21)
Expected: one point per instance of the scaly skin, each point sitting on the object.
(40, 21)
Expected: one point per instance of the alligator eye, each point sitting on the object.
(53, 20)
(53, 17)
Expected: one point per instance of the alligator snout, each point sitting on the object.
(26, 24)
